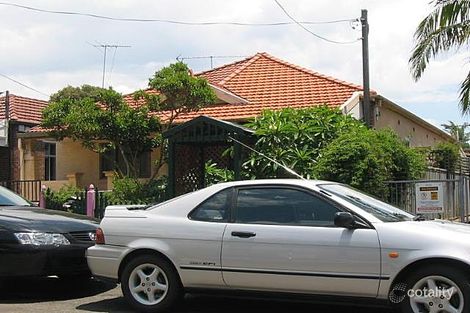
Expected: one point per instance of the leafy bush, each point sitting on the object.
(214, 174)
(132, 191)
(445, 155)
(56, 199)
(295, 138)
(367, 158)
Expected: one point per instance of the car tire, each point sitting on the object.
(150, 284)
(436, 277)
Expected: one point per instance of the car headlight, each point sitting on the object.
(39, 239)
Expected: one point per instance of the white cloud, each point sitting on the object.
(51, 51)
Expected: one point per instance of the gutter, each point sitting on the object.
(395, 107)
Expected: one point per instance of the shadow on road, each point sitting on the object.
(29, 290)
(217, 304)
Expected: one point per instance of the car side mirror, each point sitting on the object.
(344, 219)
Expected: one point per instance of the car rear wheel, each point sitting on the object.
(436, 289)
(150, 284)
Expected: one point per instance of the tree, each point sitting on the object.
(445, 155)
(103, 121)
(446, 28)
(367, 158)
(295, 138)
(458, 132)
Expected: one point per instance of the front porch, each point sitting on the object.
(66, 162)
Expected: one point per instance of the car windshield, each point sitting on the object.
(381, 210)
(9, 198)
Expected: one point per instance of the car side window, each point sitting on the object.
(283, 206)
(214, 209)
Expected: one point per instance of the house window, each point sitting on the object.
(107, 162)
(110, 160)
(49, 161)
(145, 167)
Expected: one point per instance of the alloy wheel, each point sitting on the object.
(436, 294)
(148, 284)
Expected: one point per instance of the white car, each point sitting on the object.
(286, 236)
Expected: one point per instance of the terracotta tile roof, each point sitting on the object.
(267, 82)
(22, 109)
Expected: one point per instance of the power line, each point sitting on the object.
(309, 31)
(24, 85)
(169, 21)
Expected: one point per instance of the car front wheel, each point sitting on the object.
(150, 284)
(436, 289)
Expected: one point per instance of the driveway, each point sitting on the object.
(49, 295)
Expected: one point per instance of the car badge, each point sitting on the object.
(92, 236)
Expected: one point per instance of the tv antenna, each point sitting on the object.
(106, 47)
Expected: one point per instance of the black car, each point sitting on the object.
(40, 242)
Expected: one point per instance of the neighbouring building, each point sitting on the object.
(244, 89)
(17, 115)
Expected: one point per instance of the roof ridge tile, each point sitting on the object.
(311, 72)
(222, 66)
(251, 60)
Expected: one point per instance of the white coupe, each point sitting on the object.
(284, 236)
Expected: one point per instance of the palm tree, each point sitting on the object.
(458, 132)
(446, 28)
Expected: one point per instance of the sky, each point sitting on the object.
(48, 52)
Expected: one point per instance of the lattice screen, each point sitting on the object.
(189, 164)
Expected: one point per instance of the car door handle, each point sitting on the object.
(243, 234)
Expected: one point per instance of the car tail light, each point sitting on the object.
(99, 237)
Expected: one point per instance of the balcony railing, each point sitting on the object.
(28, 189)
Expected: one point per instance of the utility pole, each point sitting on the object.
(366, 105)
(105, 47)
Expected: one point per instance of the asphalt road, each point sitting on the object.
(50, 295)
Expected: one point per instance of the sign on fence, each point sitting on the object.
(429, 198)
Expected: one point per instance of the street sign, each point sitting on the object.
(429, 198)
(3, 133)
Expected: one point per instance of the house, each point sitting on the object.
(17, 115)
(244, 89)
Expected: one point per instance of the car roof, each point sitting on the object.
(286, 181)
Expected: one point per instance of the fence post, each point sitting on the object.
(42, 197)
(90, 201)
(461, 198)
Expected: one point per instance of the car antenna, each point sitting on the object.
(287, 169)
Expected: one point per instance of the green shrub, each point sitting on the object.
(295, 138)
(56, 199)
(214, 174)
(445, 155)
(367, 158)
(132, 191)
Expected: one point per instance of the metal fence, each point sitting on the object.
(101, 202)
(79, 203)
(28, 189)
(456, 193)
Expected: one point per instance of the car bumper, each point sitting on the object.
(28, 260)
(104, 260)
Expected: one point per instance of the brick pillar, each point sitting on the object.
(109, 179)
